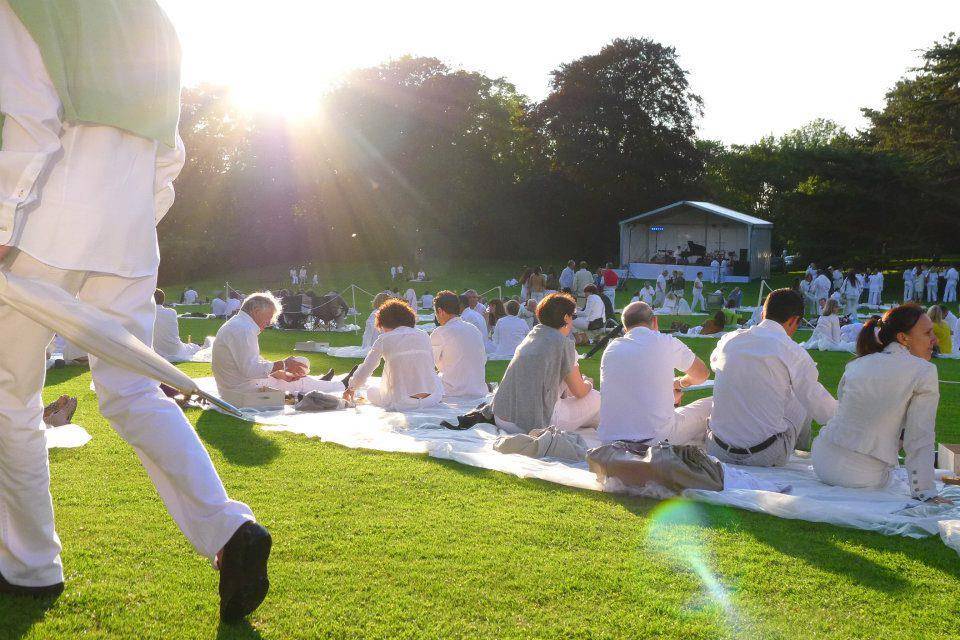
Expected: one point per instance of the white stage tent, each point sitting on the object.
(648, 235)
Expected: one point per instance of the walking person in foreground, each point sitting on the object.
(89, 153)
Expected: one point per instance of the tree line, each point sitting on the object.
(414, 155)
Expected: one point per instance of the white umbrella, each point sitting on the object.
(96, 333)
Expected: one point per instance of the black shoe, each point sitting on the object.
(50, 591)
(328, 376)
(346, 379)
(243, 572)
(466, 421)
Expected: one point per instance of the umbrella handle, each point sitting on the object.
(223, 404)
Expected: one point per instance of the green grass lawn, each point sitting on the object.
(371, 544)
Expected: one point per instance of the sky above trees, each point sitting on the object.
(760, 67)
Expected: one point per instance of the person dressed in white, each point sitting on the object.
(593, 310)
(426, 301)
(293, 277)
(543, 386)
(821, 287)
(640, 392)
(808, 294)
(766, 389)
(908, 284)
(410, 379)
(837, 277)
(303, 275)
(370, 331)
(933, 282)
(950, 289)
(566, 276)
(190, 296)
(509, 332)
(660, 292)
(827, 335)
(474, 316)
(232, 305)
(91, 231)
(458, 350)
(393, 273)
(888, 399)
(238, 366)
(218, 306)
(411, 297)
(715, 270)
(645, 294)
(812, 270)
(875, 288)
(166, 333)
(581, 279)
(850, 295)
(698, 294)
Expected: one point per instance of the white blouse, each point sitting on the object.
(828, 328)
(408, 367)
(882, 395)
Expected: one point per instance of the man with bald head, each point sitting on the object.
(640, 393)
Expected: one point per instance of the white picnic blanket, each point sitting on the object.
(889, 511)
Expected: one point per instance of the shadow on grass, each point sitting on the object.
(238, 441)
(18, 614)
(59, 376)
(238, 630)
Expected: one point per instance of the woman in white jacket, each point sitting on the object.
(850, 295)
(889, 390)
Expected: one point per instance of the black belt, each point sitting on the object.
(757, 448)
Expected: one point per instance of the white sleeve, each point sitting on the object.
(169, 163)
(684, 356)
(252, 365)
(436, 345)
(30, 110)
(369, 365)
(918, 438)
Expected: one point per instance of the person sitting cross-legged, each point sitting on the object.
(542, 386)
(166, 333)
(238, 366)
(640, 392)
(766, 389)
(458, 349)
(409, 380)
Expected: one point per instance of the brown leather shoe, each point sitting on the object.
(243, 572)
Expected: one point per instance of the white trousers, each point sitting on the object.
(611, 293)
(151, 423)
(931, 293)
(874, 297)
(907, 291)
(376, 396)
(698, 298)
(950, 291)
(569, 414)
(842, 467)
(305, 384)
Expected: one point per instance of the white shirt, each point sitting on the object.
(757, 370)
(218, 307)
(714, 264)
(850, 290)
(593, 308)
(873, 282)
(882, 395)
(646, 294)
(166, 333)
(427, 302)
(190, 296)
(661, 283)
(933, 278)
(908, 275)
(231, 306)
(104, 190)
(411, 297)
(236, 361)
(508, 333)
(805, 287)
(476, 319)
(303, 274)
(408, 367)
(636, 379)
(393, 272)
(952, 275)
(461, 357)
(828, 327)
(698, 285)
(821, 286)
(566, 278)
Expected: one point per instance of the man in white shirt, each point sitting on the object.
(821, 288)
(458, 350)
(237, 364)
(566, 276)
(593, 310)
(316, 280)
(715, 270)
(293, 277)
(874, 288)
(509, 331)
(426, 302)
(218, 306)
(303, 276)
(698, 293)
(91, 231)
(639, 391)
(166, 333)
(933, 283)
(190, 296)
(581, 279)
(232, 304)
(660, 293)
(645, 294)
(908, 285)
(472, 315)
(950, 289)
(766, 390)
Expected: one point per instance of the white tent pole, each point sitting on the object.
(353, 295)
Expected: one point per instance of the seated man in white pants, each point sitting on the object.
(542, 386)
(458, 349)
(766, 389)
(238, 366)
(639, 388)
(593, 312)
(166, 333)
